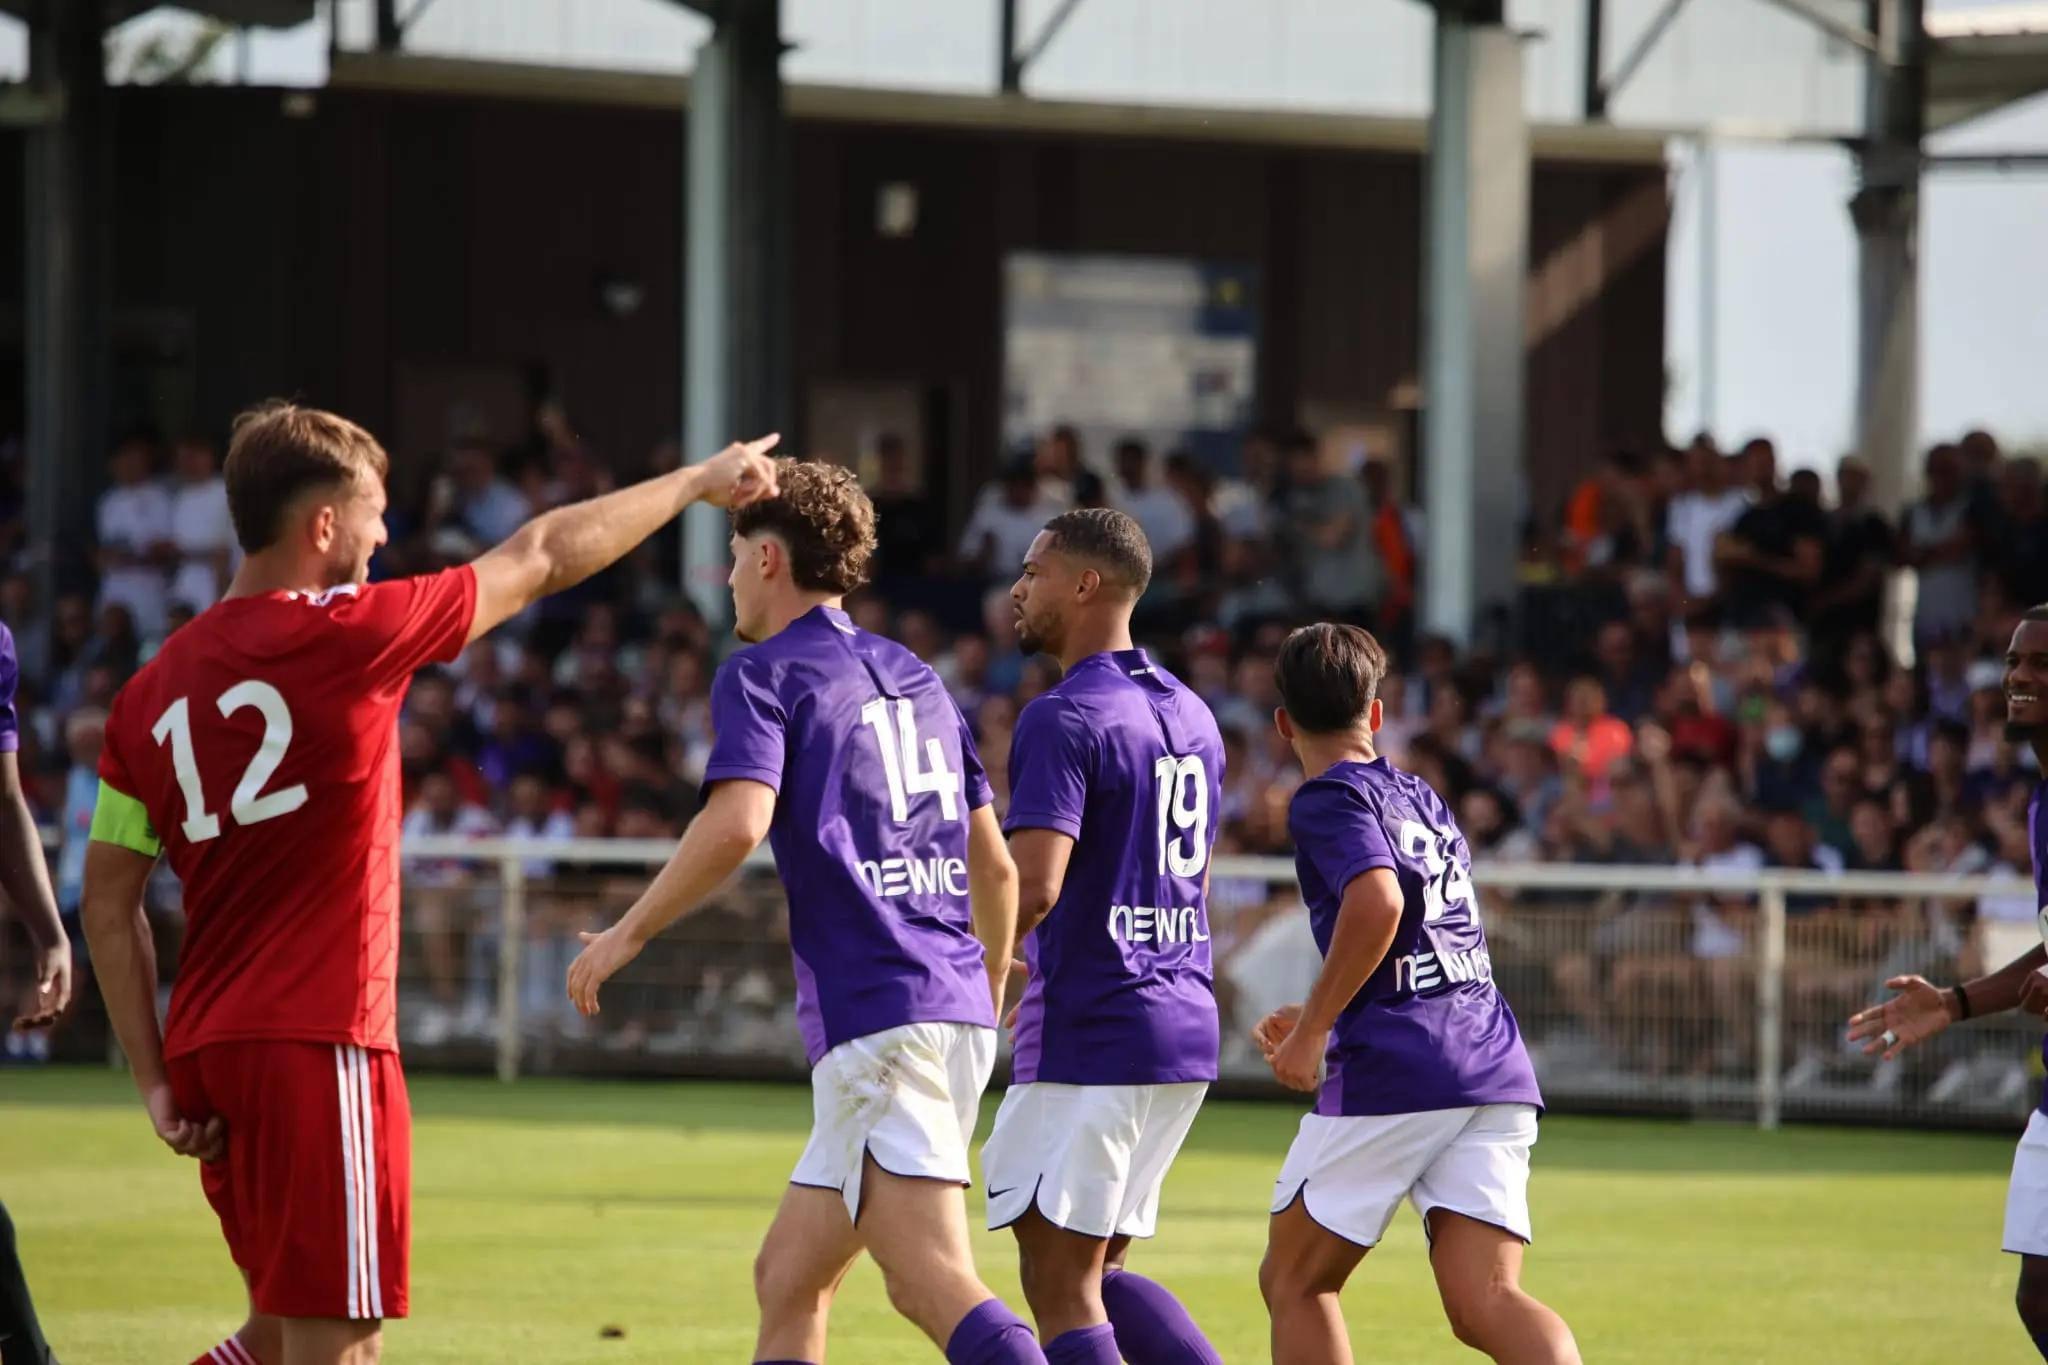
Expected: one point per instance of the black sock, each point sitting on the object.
(21, 1337)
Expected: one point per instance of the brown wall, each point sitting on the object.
(388, 244)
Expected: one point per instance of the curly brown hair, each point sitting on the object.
(825, 518)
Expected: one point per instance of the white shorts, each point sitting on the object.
(2026, 1199)
(908, 1095)
(1352, 1172)
(1091, 1157)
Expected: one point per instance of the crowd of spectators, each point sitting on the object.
(1725, 698)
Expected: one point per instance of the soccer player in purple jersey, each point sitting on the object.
(847, 753)
(1115, 777)
(1920, 1010)
(25, 876)
(1429, 1095)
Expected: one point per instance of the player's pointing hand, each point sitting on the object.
(602, 956)
(742, 473)
(1915, 1014)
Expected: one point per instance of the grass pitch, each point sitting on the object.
(550, 1211)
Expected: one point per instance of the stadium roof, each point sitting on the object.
(1984, 58)
(403, 71)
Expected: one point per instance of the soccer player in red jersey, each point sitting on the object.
(259, 750)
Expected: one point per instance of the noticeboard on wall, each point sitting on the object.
(1162, 348)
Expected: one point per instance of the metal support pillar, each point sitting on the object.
(68, 291)
(1009, 71)
(1595, 94)
(736, 290)
(1886, 211)
(1475, 276)
(390, 33)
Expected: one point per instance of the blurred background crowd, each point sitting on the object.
(1713, 664)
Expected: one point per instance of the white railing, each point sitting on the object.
(1659, 950)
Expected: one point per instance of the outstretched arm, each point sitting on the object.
(560, 549)
(734, 820)
(1921, 1009)
(25, 877)
(992, 893)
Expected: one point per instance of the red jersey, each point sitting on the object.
(263, 741)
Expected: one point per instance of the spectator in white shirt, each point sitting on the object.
(1007, 517)
(1159, 511)
(1697, 517)
(200, 527)
(444, 903)
(478, 499)
(135, 538)
(551, 926)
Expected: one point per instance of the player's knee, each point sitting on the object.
(780, 1288)
(1472, 1312)
(1060, 1292)
(1285, 1280)
(930, 1294)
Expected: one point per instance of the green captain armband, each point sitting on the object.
(118, 818)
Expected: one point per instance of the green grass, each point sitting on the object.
(550, 1210)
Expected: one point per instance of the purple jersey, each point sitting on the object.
(1427, 1030)
(875, 774)
(1126, 761)
(10, 679)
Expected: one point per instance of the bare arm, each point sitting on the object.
(734, 820)
(1920, 1009)
(2001, 990)
(992, 892)
(124, 963)
(560, 549)
(1366, 923)
(1042, 856)
(25, 877)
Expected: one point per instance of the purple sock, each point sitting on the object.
(1084, 1346)
(1152, 1328)
(991, 1334)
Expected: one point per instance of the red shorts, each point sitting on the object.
(315, 1191)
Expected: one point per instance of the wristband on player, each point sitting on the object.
(1962, 1003)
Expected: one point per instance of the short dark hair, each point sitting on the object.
(1108, 539)
(278, 451)
(824, 517)
(1328, 676)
